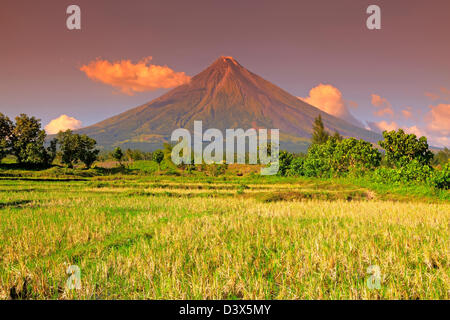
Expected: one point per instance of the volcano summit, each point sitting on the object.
(225, 95)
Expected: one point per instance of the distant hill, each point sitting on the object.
(225, 95)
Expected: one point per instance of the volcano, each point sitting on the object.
(224, 96)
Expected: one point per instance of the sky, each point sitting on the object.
(130, 52)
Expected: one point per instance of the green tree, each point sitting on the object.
(69, 147)
(336, 136)
(319, 134)
(167, 150)
(6, 127)
(87, 152)
(354, 154)
(401, 148)
(129, 154)
(441, 158)
(285, 160)
(158, 157)
(318, 159)
(441, 178)
(296, 167)
(118, 155)
(27, 140)
(75, 147)
(50, 155)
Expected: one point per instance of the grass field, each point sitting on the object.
(158, 237)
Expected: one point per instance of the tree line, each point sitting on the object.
(407, 158)
(25, 140)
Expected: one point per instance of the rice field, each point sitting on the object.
(137, 237)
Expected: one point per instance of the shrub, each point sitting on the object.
(353, 154)
(158, 157)
(118, 155)
(318, 159)
(285, 160)
(414, 171)
(296, 167)
(441, 178)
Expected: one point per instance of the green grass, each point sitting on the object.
(142, 236)
(401, 191)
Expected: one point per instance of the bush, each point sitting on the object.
(318, 159)
(441, 178)
(337, 157)
(285, 162)
(414, 171)
(296, 168)
(353, 154)
(158, 157)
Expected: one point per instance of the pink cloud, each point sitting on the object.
(407, 112)
(383, 126)
(384, 107)
(434, 139)
(138, 77)
(415, 130)
(443, 94)
(438, 119)
(330, 100)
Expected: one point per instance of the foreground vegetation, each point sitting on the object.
(140, 227)
(154, 236)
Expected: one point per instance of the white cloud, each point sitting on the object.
(62, 123)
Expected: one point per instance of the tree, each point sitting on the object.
(441, 178)
(441, 158)
(158, 157)
(129, 154)
(50, 155)
(401, 148)
(319, 134)
(75, 147)
(296, 167)
(87, 152)
(118, 155)
(6, 127)
(69, 147)
(167, 150)
(27, 140)
(318, 159)
(285, 160)
(352, 153)
(336, 136)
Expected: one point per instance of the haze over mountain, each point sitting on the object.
(223, 96)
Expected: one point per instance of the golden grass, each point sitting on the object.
(130, 244)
